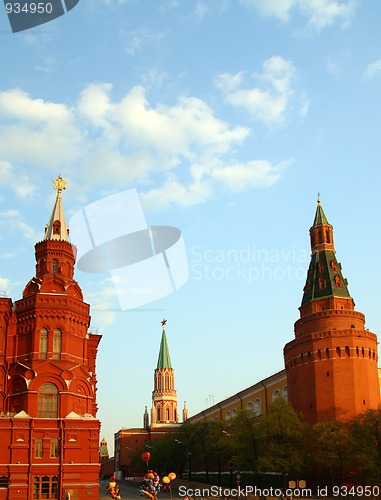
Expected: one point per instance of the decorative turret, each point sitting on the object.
(145, 419)
(332, 362)
(185, 412)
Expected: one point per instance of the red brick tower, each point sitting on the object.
(332, 362)
(49, 433)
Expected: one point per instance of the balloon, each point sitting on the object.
(166, 480)
(172, 476)
(146, 455)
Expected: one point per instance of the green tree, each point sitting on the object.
(283, 440)
(331, 450)
(366, 432)
(245, 431)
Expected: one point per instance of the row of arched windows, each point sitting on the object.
(164, 382)
(165, 412)
(256, 406)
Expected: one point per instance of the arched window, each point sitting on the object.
(55, 266)
(158, 413)
(285, 392)
(38, 448)
(338, 350)
(56, 227)
(249, 406)
(347, 351)
(48, 401)
(167, 413)
(258, 407)
(234, 413)
(54, 448)
(228, 416)
(327, 353)
(43, 343)
(57, 336)
(276, 394)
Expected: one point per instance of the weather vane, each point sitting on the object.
(163, 323)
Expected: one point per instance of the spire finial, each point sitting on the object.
(163, 323)
(59, 185)
(318, 200)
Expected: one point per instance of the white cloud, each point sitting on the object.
(179, 148)
(103, 303)
(13, 220)
(38, 131)
(254, 174)
(372, 70)
(200, 11)
(268, 102)
(5, 285)
(136, 38)
(319, 13)
(19, 183)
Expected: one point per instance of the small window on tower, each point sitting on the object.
(56, 227)
(55, 266)
(322, 282)
(338, 281)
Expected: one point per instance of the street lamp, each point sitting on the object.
(187, 459)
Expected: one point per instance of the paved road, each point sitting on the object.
(126, 491)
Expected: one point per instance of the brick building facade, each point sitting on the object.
(49, 433)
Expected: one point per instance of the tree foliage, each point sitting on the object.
(332, 453)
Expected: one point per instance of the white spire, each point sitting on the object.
(56, 228)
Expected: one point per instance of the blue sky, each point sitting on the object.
(228, 118)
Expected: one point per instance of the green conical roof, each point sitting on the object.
(164, 360)
(320, 217)
(324, 278)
